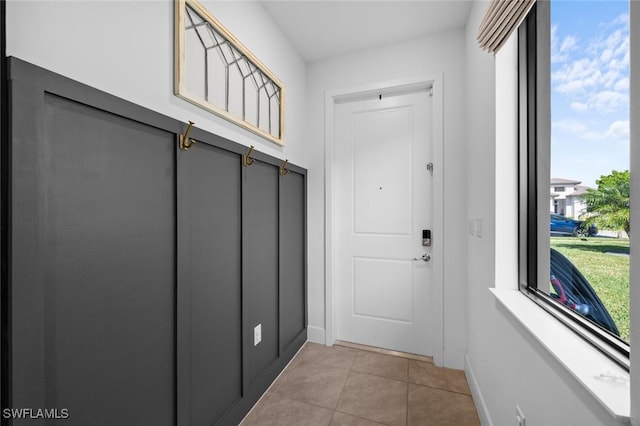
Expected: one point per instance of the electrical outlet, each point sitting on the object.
(257, 334)
(519, 417)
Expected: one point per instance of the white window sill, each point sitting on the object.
(607, 382)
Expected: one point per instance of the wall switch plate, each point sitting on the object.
(479, 227)
(520, 421)
(471, 226)
(257, 334)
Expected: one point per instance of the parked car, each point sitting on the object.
(572, 289)
(561, 225)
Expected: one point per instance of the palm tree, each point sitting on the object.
(608, 206)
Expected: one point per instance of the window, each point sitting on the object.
(574, 123)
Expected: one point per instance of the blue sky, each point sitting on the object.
(589, 89)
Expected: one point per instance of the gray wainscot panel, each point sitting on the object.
(138, 271)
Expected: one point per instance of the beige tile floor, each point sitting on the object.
(341, 385)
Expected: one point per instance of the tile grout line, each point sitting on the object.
(368, 349)
(344, 386)
(301, 365)
(407, 415)
(441, 389)
(351, 370)
(405, 380)
(359, 417)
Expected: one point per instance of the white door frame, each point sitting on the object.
(435, 81)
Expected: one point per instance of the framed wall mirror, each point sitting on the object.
(214, 71)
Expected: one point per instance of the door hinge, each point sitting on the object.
(430, 168)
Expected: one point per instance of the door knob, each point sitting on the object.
(426, 257)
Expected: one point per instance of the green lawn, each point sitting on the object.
(608, 273)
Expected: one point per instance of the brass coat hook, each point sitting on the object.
(185, 142)
(283, 168)
(246, 158)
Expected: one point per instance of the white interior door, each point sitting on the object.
(382, 203)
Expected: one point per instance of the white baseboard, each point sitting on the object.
(476, 393)
(315, 334)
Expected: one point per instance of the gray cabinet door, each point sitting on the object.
(209, 284)
(93, 255)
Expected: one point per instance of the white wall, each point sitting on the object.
(442, 53)
(505, 363)
(126, 48)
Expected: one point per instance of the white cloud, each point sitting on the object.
(622, 47)
(609, 78)
(617, 130)
(604, 101)
(623, 19)
(593, 74)
(607, 100)
(615, 39)
(560, 52)
(622, 84)
(606, 55)
(568, 44)
(577, 76)
(579, 106)
(571, 126)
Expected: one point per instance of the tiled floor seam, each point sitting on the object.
(440, 389)
(382, 377)
(359, 417)
(309, 403)
(406, 420)
(408, 377)
(342, 391)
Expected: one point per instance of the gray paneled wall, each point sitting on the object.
(106, 264)
(260, 263)
(139, 271)
(293, 318)
(210, 266)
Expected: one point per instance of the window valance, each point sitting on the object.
(501, 18)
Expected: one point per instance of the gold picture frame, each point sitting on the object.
(216, 72)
